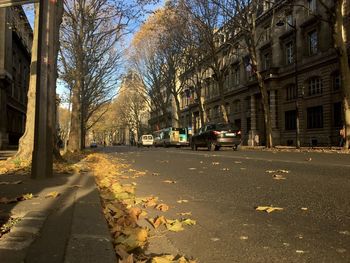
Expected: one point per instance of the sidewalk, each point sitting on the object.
(68, 228)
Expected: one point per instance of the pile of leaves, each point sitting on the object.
(123, 210)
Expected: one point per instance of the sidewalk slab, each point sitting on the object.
(69, 228)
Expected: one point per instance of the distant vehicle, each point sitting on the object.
(93, 144)
(217, 135)
(146, 140)
(171, 137)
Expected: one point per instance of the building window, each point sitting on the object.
(289, 21)
(336, 79)
(315, 86)
(236, 76)
(290, 120)
(315, 117)
(266, 34)
(311, 4)
(290, 52)
(228, 108)
(266, 61)
(337, 115)
(312, 42)
(216, 110)
(291, 92)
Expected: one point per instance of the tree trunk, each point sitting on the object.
(266, 106)
(26, 143)
(339, 37)
(74, 134)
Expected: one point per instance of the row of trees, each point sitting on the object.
(178, 47)
(89, 56)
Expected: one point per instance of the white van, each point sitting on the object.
(146, 140)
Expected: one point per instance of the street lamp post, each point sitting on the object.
(295, 59)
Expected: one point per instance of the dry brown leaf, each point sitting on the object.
(135, 213)
(158, 221)
(162, 207)
(182, 201)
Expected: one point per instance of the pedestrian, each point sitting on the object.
(342, 136)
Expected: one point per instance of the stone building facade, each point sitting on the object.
(309, 84)
(16, 38)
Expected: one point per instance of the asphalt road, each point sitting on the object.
(223, 188)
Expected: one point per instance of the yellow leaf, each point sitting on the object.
(268, 209)
(182, 201)
(158, 221)
(174, 225)
(53, 194)
(169, 182)
(188, 222)
(279, 177)
(163, 259)
(27, 196)
(185, 214)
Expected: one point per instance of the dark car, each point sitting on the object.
(217, 135)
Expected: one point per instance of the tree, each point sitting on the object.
(90, 56)
(206, 22)
(150, 66)
(338, 14)
(26, 143)
(240, 17)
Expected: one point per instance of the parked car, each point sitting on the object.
(145, 140)
(217, 135)
(93, 144)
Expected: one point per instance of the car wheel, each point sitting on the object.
(211, 146)
(235, 147)
(217, 148)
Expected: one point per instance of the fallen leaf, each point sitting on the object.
(308, 159)
(268, 209)
(215, 163)
(188, 222)
(238, 162)
(174, 225)
(345, 232)
(169, 182)
(155, 174)
(124, 177)
(225, 169)
(162, 207)
(182, 201)
(215, 239)
(243, 237)
(27, 196)
(192, 168)
(158, 221)
(185, 214)
(163, 259)
(300, 251)
(304, 208)
(278, 177)
(53, 194)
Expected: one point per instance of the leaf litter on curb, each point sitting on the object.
(122, 212)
